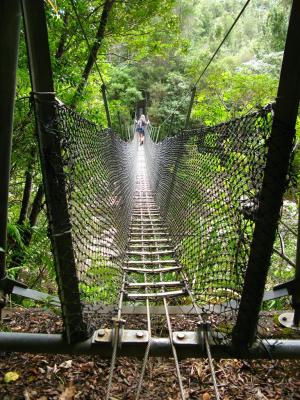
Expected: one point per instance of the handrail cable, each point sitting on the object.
(222, 42)
(209, 62)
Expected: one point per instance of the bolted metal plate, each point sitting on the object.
(186, 338)
(129, 336)
(102, 335)
(135, 336)
(287, 320)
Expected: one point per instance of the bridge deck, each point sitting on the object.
(151, 272)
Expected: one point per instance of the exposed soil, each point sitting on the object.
(49, 377)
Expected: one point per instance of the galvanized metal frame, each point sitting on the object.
(134, 343)
(274, 184)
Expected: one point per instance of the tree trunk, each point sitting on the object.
(27, 189)
(26, 197)
(36, 206)
(108, 4)
(62, 41)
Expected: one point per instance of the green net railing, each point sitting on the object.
(99, 176)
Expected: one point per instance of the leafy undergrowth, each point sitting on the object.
(62, 377)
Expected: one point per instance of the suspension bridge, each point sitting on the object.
(187, 222)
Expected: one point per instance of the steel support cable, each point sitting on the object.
(183, 97)
(115, 338)
(146, 356)
(211, 365)
(146, 199)
(209, 61)
(201, 323)
(206, 339)
(141, 186)
(182, 394)
(222, 42)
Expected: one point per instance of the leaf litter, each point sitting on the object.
(62, 377)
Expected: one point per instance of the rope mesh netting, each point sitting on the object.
(99, 175)
(207, 183)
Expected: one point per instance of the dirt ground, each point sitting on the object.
(62, 377)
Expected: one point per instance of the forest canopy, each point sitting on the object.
(158, 49)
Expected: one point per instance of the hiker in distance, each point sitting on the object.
(141, 125)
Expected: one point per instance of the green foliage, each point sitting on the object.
(276, 26)
(14, 234)
(166, 96)
(154, 49)
(228, 95)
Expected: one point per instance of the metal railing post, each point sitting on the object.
(10, 13)
(274, 184)
(52, 167)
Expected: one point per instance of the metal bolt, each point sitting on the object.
(180, 335)
(101, 333)
(139, 335)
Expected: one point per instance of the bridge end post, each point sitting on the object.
(10, 15)
(274, 184)
(52, 168)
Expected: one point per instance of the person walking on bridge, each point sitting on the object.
(141, 125)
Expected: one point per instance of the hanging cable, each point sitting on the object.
(222, 42)
(209, 62)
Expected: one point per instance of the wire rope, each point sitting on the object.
(222, 42)
(209, 62)
(115, 338)
(206, 338)
(178, 373)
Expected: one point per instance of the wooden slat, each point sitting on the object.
(144, 296)
(152, 270)
(130, 285)
(150, 233)
(143, 246)
(148, 228)
(150, 253)
(160, 240)
(150, 262)
(147, 220)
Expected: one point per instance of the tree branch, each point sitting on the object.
(108, 4)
